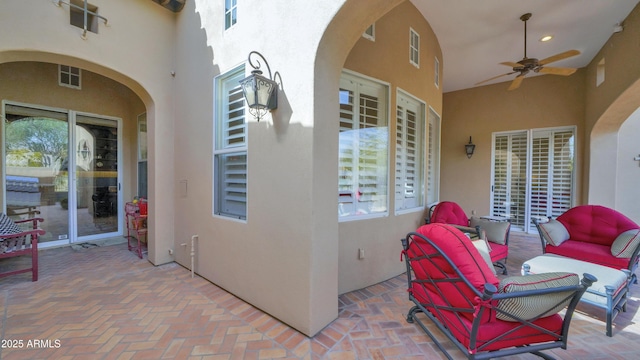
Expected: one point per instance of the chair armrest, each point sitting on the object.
(25, 212)
(34, 221)
(21, 234)
(474, 232)
(543, 242)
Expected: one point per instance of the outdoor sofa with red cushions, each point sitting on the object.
(451, 283)
(594, 234)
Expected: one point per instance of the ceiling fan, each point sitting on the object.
(524, 66)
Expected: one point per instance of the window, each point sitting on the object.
(600, 72)
(230, 151)
(409, 150)
(230, 13)
(142, 155)
(363, 142)
(433, 160)
(76, 15)
(69, 76)
(370, 33)
(414, 48)
(436, 75)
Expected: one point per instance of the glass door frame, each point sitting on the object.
(73, 179)
(71, 175)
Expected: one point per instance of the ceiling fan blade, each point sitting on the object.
(511, 64)
(495, 77)
(558, 57)
(516, 82)
(557, 71)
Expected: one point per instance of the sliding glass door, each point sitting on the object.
(36, 167)
(62, 166)
(96, 175)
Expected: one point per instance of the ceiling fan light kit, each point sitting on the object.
(527, 64)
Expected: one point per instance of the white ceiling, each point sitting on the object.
(476, 35)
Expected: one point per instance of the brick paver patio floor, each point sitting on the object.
(106, 303)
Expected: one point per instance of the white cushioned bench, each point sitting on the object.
(609, 292)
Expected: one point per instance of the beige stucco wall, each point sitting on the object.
(136, 50)
(481, 111)
(284, 257)
(627, 194)
(387, 59)
(608, 106)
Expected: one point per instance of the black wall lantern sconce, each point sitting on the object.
(260, 93)
(83, 150)
(469, 148)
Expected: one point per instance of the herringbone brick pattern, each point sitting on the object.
(106, 303)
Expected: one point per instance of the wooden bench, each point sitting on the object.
(16, 241)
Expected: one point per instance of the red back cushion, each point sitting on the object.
(455, 245)
(595, 224)
(448, 212)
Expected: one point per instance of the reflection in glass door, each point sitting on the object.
(77, 205)
(36, 168)
(96, 175)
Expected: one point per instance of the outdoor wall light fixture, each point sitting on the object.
(469, 148)
(84, 150)
(261, 93)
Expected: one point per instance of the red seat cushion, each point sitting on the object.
(505, 333)
(589, 252)
(595, 224)
(448, 212)
(498, 251)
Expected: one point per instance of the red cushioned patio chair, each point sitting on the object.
(452, 286)
(496, 234)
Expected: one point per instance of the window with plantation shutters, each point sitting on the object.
(363, 142)
(409, 150)
(533, 175)
(433, 158)
(230, 152)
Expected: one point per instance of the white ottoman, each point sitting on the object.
(609, 292)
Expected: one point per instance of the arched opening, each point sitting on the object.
(86, 170)
(364, 237)
(613, 183)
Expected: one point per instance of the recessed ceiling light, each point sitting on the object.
(546, 38)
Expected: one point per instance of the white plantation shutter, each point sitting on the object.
(433, 161)
(548, 190)
(231, 148)
(500, 176)
(363, 170)
(509, 177)
(562, 186)
(518, 181)
(539, 177)
(552, 172)
(409, 149)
